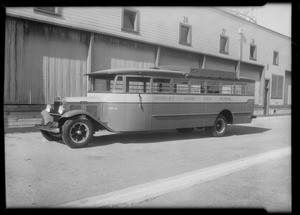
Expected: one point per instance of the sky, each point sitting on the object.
(275, 16)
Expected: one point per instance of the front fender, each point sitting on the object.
(73, 113)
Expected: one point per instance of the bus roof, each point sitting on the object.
(158, 71)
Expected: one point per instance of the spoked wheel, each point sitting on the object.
(185, 130)
(76, 133)
(219, 128)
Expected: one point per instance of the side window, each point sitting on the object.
(227, 87)
(119, 84)
(137, 85)
(161, 85)
(213, 87)
(197, 86)
(104, 84)
(180, 86)
(240, 88)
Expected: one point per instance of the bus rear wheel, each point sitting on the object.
(76, 133)
(219, 128)
(185, 130)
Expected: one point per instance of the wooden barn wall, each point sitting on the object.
(42, 62)
(111, 52)
(179, 58)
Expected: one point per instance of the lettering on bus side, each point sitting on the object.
(225, 99)
(163, 98)
(189, 98)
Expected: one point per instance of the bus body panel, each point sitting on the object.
(138, 112)
(177, 115)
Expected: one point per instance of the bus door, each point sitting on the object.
(138, 104)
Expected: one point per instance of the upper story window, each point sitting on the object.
(130, 20)
(224, 44)
(253, 52)
(185, 34)
(49, 10)
(275, 58)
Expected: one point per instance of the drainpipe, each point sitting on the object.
(238, 69)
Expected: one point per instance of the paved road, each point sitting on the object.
(48, 174)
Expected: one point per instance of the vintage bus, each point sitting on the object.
(134, 100)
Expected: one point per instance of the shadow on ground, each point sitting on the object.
(162, 136)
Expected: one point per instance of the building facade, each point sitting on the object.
(48, 50)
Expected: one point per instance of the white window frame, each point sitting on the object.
(189, 36)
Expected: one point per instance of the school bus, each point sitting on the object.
(139, 100)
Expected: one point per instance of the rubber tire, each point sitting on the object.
(185, 130)
(212, 130)
(48, 136)
(66, 130)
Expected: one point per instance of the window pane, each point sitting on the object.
(180, 86)
(275, 58)
(253, 52)
(184, 34)
(161, 85)
(49, 9)
(129, 20)
(213, 87)
(102, 84)
(223, 45)
(138, 85)
(197, 86)
(119, 85)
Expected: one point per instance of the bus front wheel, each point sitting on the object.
(76, 133)
(219, 128)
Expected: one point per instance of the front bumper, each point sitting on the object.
(49, 124)
(50, 127)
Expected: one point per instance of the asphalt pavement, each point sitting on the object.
(40, 173)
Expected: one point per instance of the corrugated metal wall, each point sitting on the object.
(179, 58)
(254, 73)
(111, 52)
(214, 63)
(42, 62)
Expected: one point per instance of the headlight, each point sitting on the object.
(61, 109)
(48, 108)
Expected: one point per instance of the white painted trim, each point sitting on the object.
(167, 98)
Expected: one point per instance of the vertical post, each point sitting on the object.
(203, 62)
(157, 56)
(89, 59)
(238, 69)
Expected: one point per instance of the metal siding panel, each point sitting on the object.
(118, 53)
(179, 58)
(214, 63)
